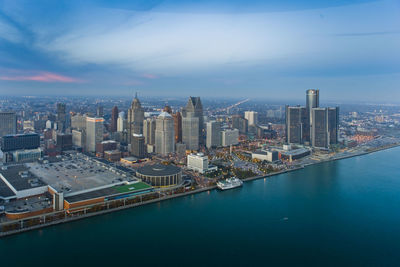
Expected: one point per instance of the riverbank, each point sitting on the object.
(166, 197)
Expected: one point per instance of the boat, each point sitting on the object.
(229, 183)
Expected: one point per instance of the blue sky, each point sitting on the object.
(275, 50)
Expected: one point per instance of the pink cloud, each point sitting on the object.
(149, 76)
(41, 77)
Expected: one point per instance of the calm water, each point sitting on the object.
(339, 213)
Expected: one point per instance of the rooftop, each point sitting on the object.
(159, 170)
(20, 177)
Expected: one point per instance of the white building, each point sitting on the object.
(252, 117)
(165, 134)
(94, 133)
(197, 162)
(121, 122)
(230, 137)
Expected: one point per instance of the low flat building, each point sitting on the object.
(270, 156)
(295, 154)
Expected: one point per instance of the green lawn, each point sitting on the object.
(131, 187)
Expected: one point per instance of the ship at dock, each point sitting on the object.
(229, 183)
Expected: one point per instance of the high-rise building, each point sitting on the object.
(213, 134)
(240, 123)
(312, 101)
(168, 109)
(190, 131)
(94, 132)
(165, 137)
(193, 108)
(61, 117)
(99, 111)
(135, 119)
(230, 137)
(121, 122)
(8, 123)
(20, 141)
(138, 147)
(197, 162)
(251, 117)
(149, 131)
(297, 130)
(114, 119)
(78, 121)
(178, 126)
(325, 130)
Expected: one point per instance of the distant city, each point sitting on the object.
(67, 158)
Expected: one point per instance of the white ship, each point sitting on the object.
(229, 183)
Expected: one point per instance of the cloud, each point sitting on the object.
(149, 76)
(41, 77)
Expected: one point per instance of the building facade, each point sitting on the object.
(94, 133)
(164, 135)
(213, 138)
(8, 123)
(230, 137)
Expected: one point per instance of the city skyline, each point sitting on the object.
(166, 48)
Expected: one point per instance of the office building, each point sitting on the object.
(78, 121)
(78, 138)
(121, 122)
(135, 119)
(240, 123)
(20, 141)
(94, 133)
(165, 136)
(297, 129)
(270, 156)
(197, 162)
(64, 141)
(138, 146)
(190, 131)
(213, 138)
(61, 117)
(100, 111)
(251, 117)
(8, 123)
(325, 129)
(114, 119)
(193, 109)
(230, 137)
(149, 130)
(178, 126)
(312, 101)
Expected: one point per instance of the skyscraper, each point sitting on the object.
(178, 126)
(114, 119)
(61, 117)
(121, 122)
(8, 123)
(297, 130)
(325, 129)
(138, 148)
(135, 118)
(312, 101)
(193, 108)
(165, 137)
(240, 123)
(251, 117)
(213, 134)
(190, 131)
(149, 131)
(94, 132)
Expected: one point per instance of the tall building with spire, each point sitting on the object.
(135, 118)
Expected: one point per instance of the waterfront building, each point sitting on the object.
(8, 123)
(297, 129)
(325, 129)
(213, 138)
(251, 117)
(94, 132)
(160, 175)
(197, 162)
(149, 130)
(61, 117)
(267, 155)
(164, 134)
(230, 137)
(312, 101)
(114, 119)
(135, 119)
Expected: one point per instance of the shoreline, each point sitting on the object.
(167, 197)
